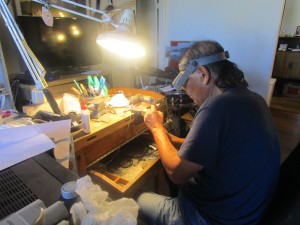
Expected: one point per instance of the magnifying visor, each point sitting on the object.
(192, 65)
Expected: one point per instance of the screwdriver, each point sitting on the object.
(85, 93)
(75, 91)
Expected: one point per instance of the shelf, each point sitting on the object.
(291, 38)
(289, 51)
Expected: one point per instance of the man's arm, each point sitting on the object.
(176, 141)
(179, 170)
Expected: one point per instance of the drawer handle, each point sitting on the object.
(91, 138)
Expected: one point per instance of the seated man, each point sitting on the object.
(228, 165)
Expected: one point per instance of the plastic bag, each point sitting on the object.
(71, 104)
(96, 209)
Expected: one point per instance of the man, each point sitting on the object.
(227, 167)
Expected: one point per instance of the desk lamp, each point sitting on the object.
(34, 66)
(120, 41)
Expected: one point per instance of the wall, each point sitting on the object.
(291, 16)
(146, 29)
(247, 29)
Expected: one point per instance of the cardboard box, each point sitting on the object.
(291, 90)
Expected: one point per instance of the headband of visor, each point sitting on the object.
(192, 65)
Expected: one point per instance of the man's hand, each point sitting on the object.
(179, 170)
(154, 119)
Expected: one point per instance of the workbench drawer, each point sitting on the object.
(126, 170)
(110, 141)
(95, 146)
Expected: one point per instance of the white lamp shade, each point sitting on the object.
(122, 43)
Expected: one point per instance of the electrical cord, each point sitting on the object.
(15, 85)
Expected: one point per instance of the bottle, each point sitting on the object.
(69, 195)
(85, 118)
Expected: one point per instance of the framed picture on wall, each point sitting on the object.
(298, 31)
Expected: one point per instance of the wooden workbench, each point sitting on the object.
(107, 136)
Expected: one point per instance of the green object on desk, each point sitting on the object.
(78, 86)
(96, 83)
(90, 81)
(105, 90)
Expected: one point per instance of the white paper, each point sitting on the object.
(25, 149)
(20, 143)
(57, 130)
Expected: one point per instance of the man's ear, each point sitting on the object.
(205, 75)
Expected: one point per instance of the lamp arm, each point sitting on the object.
(35, 68)
(106, 17)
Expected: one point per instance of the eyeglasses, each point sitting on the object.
(185, 83)
(183, 77)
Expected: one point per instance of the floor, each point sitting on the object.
(286, 115)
